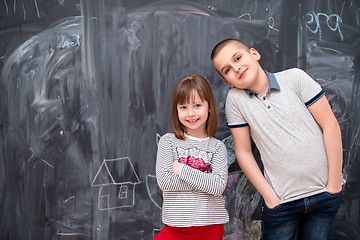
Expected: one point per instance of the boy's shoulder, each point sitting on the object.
(236, 91)
(236, 95)
(293, 76)
(289, 72)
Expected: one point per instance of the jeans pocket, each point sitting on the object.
(338, 194)
(274, 209)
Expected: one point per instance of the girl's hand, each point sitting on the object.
(177, 167)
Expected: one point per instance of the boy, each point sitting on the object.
(290, 120)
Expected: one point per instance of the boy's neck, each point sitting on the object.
(262, 83)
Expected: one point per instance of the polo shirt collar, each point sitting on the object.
(273, 84)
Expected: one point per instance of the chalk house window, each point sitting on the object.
(123, 192)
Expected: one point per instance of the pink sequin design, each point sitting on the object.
(197, 163)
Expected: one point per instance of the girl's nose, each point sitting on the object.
(191, 112)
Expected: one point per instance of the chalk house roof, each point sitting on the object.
(116, 171)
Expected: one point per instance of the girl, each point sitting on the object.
(191, 166)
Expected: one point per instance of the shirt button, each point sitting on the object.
(268, 107)
(264, 98)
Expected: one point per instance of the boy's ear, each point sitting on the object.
(255, 53)
(228, 83)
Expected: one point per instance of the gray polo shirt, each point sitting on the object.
(289, 140)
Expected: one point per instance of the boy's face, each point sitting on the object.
(238, 65)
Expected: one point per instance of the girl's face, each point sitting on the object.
(193, 115)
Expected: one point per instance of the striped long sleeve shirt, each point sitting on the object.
(194, 198)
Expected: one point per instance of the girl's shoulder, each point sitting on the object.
(169, 134)
(218, 142)
(167, 137)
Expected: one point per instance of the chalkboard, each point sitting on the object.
(85, 93)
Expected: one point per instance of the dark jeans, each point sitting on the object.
(312, 217)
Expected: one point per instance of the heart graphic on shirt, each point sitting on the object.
(197, 163)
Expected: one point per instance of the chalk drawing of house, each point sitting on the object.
(117, 180)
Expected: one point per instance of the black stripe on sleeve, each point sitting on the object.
(238, 125)
(314, 99)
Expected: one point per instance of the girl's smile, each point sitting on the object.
(193, 121)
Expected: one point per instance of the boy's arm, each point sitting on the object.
(324, 116)
(247, 163)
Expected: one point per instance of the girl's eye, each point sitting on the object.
(182, 107)
(227, 71)
(198, 105)
(237, 58)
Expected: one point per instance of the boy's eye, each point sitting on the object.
(237, 58)
(227, 71)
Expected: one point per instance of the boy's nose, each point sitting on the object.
(237, 67)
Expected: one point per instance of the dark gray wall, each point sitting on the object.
(85, 92)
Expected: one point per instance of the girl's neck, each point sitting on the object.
(198, 135)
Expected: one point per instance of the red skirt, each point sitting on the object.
(209, 232)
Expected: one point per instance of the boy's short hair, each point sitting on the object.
(182, 93)
(218, 47)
